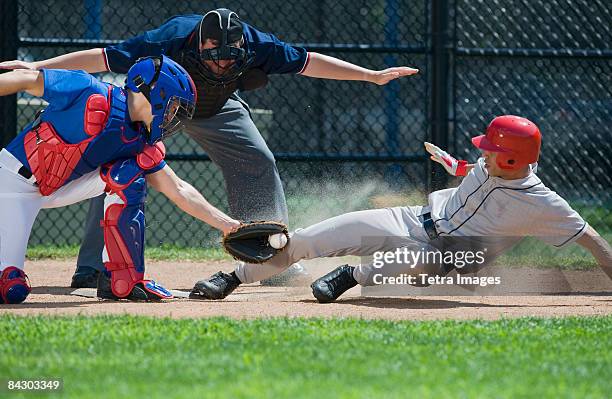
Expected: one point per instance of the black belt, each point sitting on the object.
(25, 172)
(429, 225)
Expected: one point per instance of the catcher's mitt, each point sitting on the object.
(249, 243)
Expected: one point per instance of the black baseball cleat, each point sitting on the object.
(138, 293)
(294, 276)
(217, 286)
(335, 283)
(85, 277)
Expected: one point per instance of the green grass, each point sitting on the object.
(535, 253)
(162, 252)
(126, 356)
(599, 217)
(543, 261)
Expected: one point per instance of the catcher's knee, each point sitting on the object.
(14, 285)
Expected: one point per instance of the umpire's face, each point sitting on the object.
(219, 67)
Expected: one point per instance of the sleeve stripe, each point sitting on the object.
(305, 63)
(573, 237)
(105, 60)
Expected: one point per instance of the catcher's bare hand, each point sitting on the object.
(386, 75)
(17, 64)
(230, 227)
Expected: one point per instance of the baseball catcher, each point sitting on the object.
(96, 138)
(500, 199)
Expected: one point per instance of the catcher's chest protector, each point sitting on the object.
(51, 159)
(54, 161)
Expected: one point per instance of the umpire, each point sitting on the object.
(223, 55)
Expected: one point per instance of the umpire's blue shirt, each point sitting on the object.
(271, 54)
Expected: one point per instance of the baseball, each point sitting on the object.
(277, 241)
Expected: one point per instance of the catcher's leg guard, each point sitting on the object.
(14, 285)
(124, 226)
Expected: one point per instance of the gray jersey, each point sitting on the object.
(486, 206)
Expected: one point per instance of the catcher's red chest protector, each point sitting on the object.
(51, 159)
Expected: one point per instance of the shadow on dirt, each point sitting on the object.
(51, 290)
(51, 305)
(412, 303)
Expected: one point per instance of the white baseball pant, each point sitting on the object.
(20, 202)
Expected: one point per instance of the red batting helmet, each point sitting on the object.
(516, 140)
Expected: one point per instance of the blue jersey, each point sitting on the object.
(271, 54)
(67, 93)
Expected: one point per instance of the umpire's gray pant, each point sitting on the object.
(234, 144)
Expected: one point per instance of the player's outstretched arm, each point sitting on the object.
(13, 82)
(326, 67)
(454, 167)
(186, 197)
(91, 60)
(598, 247)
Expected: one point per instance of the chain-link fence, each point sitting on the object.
(343, 146)
(551, 62)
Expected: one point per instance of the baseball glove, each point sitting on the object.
(249, 243)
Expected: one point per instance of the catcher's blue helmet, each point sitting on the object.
(169, 89)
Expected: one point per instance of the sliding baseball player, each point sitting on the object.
(500, 199)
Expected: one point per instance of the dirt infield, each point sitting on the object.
(50, 296)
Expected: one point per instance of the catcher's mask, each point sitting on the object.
(225, 27)
(170, 91)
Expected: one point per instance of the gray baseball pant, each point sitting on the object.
(357, 233)
(234, 144)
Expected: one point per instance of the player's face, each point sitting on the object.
(491, 163)
(143, 109)
(170, 112)
(220, 67)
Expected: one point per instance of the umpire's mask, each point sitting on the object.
(225, 27)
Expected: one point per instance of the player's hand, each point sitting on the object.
(386, 75)
(453, 166)
(230, 227)
(17, 64)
